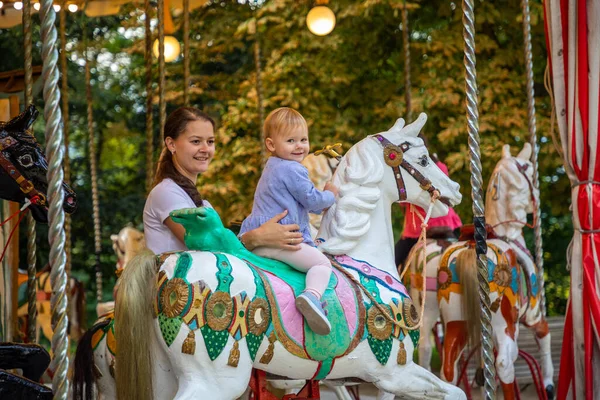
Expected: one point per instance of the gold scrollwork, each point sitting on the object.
(219, 311)
(379, 326)
(393, 155)
(502, 273)
(174, 297)
(410, 313)
(258, 316)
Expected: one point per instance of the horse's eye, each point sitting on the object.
(26, 161)
(423, 161)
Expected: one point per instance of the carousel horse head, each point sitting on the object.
(127, 244)
(510, 193)
(392, 166)
(23, 168)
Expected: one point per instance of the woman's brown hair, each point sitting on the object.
(175, 125)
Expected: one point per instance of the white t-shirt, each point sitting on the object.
(165, 197)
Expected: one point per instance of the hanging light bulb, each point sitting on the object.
(1, 4)
(72, 7)
(320, 19)
(172, 48)
(36, 6)
(18, 5)
(56, 8)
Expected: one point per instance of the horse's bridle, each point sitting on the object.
(394, 157)
(25, 185)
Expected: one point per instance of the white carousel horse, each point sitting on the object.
(320, 171)
(216, 315)
(514, 291)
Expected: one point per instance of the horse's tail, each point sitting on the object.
(84, 376)
(466, 267)
(134, 328)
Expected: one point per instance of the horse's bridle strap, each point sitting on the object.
(25, 185)
(394, 157)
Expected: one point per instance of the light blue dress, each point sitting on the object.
(284, 185)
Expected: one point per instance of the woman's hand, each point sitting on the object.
(332, 188)
(274, 235)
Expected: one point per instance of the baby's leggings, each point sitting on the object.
(308, 259)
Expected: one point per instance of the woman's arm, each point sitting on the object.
(177, 229)
(274, 235)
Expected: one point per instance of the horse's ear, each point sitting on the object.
(114, 238)
(415, 128)
(398, 125)
(506, 151)
(23, 121)
(525, 154)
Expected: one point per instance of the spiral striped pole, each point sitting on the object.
(56, 216)
(487, 347)
(537, 228)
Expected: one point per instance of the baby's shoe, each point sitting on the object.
(310, 307)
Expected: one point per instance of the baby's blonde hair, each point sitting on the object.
(281, 120)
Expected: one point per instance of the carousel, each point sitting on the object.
(219, 322)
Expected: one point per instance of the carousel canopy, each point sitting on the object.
(12, 13)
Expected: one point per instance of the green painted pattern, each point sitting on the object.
(214, 341)
(414, 336)
(253, 343)
(169, 327)
(184, 263)
(224, 270)
(380, 348)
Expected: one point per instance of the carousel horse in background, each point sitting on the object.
(23, 168)
(208, 317)
(75, 310)
(513, 279)
(320, 171)
(126, 245)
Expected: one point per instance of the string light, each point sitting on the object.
(36, 6)
(18, 5)
(72, 7)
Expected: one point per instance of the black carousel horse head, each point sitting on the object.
(23, 168)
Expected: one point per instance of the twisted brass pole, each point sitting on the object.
(64, 94)
(162, 105)
(56, 234)
(259, 97)
(407, 84)
(93, 168)
(186, 52)
(537, 228)
(487, 347)
(149, 127)
(31, 234)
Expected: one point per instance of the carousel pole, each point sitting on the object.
(537, 228)
(64, 94)
(162, 105)
(56, 215)
(149, 127)
(259, 95)
(31, 234)
(186, 52)
(407, 85)
(93, 167)
(487, 347)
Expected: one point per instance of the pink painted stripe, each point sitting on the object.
(372, 272)
(431, 284)
(290, 316)
(345, 295)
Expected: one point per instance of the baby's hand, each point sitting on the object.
(332, 188)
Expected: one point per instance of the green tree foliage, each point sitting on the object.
(348, 84)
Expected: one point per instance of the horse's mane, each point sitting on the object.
(358, 177)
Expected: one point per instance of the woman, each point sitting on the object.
(189, 138)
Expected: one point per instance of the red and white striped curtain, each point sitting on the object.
(573, 38)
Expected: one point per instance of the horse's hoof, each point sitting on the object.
(550, 392)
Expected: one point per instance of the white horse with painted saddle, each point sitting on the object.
(514, 292)
(208, 317)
